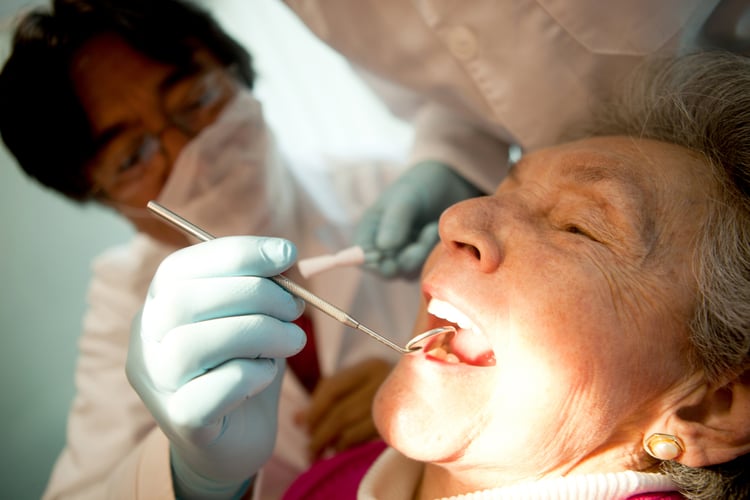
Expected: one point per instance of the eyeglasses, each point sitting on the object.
(193, 103)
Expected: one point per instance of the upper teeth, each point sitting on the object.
(447, 311)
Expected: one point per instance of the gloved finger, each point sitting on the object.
(206, 400)
(195, 300)
(386, 267)
(367, 228)
(228, 256)
(411, 259)
(374, 259)
(191, 350)
(397, 222)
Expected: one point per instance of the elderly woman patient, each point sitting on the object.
(601, 298)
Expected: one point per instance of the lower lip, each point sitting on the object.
(438, 360)
(430, 370)
(429, 357)
(478, 363)
(431, 367)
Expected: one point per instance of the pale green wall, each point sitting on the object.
(46, 245)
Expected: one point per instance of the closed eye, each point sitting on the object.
(575, 229)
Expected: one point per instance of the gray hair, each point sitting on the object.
(701, 101)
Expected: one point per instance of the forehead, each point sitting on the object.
(640, 168)
(107, 65)
(116, 85)
(658, 189)
(120, 88)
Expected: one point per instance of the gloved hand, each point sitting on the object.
(207, 357)
(398, 232)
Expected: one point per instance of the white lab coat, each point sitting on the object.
(492, 73)
(115, 450)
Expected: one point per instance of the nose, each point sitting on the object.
(173, 140)
(466, 230)
(159, 124)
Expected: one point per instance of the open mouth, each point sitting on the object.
(467, 345)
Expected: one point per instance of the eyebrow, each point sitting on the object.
(595, 168)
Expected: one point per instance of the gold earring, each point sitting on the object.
(663, 446)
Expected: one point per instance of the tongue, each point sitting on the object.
(472, 348)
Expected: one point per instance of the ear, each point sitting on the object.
(715, 426)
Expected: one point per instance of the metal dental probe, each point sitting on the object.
(298, 291)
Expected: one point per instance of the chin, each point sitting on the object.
(421, 428)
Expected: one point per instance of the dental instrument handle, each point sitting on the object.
(281, 280)
(331, 310)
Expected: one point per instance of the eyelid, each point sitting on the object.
(583, 231)
(194, 108)
(207, 99)
(149, 147)
(193, 91)
(142, 154)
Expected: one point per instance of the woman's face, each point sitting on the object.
(576, 277)
(142, 113)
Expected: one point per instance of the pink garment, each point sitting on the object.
(336, 477)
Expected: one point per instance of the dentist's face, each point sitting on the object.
(142, 114)
(576, 278)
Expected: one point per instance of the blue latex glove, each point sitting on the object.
(207, 357)
(398, 232)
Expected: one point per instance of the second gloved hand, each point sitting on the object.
(401, 228)
(207, 357)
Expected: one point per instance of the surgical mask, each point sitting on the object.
(229, 179)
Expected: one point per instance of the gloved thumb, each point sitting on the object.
(228, 256)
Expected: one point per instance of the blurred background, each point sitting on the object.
(321, 113)
(46, 246)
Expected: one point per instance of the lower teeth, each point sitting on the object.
(444, 355)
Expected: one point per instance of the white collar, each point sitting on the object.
(394, 476)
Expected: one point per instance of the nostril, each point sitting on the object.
(471, 249)
(467, 229)
(482, 251)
